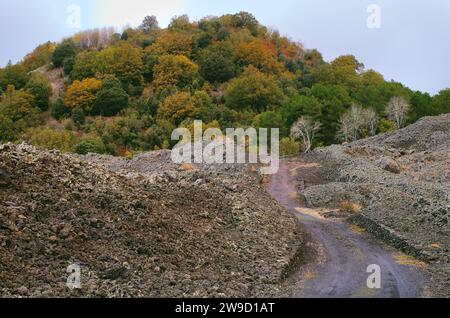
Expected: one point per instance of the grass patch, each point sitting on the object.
(350, 207)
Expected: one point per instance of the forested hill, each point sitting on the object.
(121, 93)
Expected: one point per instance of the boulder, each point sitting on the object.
(389, 164)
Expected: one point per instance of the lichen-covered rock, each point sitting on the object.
(389, 164)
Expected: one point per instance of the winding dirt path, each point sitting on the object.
(342, 270)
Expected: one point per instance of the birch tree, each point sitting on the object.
(305, 129)
(397, 109)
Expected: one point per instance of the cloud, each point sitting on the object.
(131, 12)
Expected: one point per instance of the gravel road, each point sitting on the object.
(341, 272)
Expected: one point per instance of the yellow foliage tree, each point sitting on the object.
(82, 94)
(177, 108)
(176, 43)
(174, 71)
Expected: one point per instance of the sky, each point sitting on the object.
(405, 40)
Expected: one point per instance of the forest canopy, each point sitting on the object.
(120, 93)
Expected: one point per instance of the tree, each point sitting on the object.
(371, 120)
(175, 43)
(245, 20)
(7, 129)
(18, 107)
(59, 110)
(86, 64)
(268, 119)
(111, 98)
(397, 109)
(260, 54)
(174, 71)
(217, 63)
(301, 105)
(421, 106)
(39, 86)
(335, 100)
(78, 117)
(357, 122)
(305, 129)
(42, 55)
(125, 63)
(371, 78)
(180, 23)
(253, 90)
(441, 103)
(82, 94)
(150, 23)
(344, 70)
(177, 108)
(65, 49)
(13, 75)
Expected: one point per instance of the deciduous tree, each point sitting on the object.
(397, 109)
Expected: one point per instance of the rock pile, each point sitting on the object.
(139, 228)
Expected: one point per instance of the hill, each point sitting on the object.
(123, 93)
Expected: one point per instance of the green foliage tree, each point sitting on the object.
(254, 90)
(301, 105)
(441, 103)
(86, 64)
(15, 75)
(18, 107)
(7, 130)
(111, 98)
(268, 119)
(217, 63)
(59, 110)
(89, 145)
(421, 105)
(78, 116)
(65, 49)
(51, 139)
(39, 86)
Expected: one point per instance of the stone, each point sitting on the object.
(389, 164)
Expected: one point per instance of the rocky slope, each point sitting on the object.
(139, 228)
(402, 182)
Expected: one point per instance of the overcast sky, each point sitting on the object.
(412, 44)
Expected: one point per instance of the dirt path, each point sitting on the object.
(341, 271)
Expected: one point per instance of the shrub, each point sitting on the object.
(51, 139)
(89, 145)
(289, 147)
(386, 126)
(350, 207)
